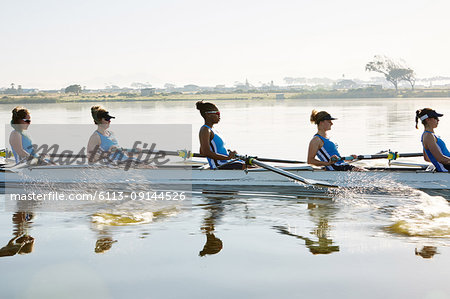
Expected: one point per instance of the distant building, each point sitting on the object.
(378, 87)
(191, 87)
(345, 84)
(145, 92)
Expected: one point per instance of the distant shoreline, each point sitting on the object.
(272, 95)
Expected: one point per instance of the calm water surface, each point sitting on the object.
(344, 244)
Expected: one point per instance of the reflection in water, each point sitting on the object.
(104, 244)
(22, 242)
(214, 211)
(427, 252)
(104, 236)
(320, 215)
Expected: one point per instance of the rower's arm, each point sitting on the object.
(93, 145)
(15, 139)
(425, 156)
(430, 143)
(314, 145)
(205, 150)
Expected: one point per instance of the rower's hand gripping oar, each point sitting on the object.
(254, 161)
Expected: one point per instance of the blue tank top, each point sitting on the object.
(442, 147)
(27, 146)
(107, 142)
(217, 145)
(328, 150)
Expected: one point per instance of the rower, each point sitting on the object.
(21, 144)
(211, 145)
(104, 141)
(434, 148)
(324, 148)
(102, 138)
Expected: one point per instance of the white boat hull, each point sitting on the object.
(418, 179)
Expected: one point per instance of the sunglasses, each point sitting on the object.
(27, 120)
(213, 112)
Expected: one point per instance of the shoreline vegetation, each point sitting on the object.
(368, 92)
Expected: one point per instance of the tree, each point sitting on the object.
(394, 72)
(385, 66)
(410, 77)
(73, 88)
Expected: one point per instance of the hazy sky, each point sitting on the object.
(54, 43)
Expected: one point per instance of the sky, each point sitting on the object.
(50, 44)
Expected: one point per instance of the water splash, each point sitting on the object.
(425, 216)
(412, 212)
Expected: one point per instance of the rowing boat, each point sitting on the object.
(389, 177)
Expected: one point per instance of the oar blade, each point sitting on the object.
(322, 184)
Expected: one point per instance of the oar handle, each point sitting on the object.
(348, 158)
(389, 156)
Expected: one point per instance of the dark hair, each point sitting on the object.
(420, 113)
(96, 111)
(19, 113)
(316, 116)
(204, 107)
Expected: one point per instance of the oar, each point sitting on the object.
(253, 161)
(187, 154)
(390, 156)
(280, 161)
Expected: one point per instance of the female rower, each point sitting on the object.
(323, 148)
(434, 148)
(21, 144)
(211, 145)
(103, 140)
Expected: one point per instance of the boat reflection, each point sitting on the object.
(320, 214)
(22, 242)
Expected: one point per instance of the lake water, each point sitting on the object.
(247, 245)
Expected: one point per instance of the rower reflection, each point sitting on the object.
(323, 244)
(214, 211)
(22, 242)
(427, 252)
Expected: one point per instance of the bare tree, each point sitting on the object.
(410, 76)
(394, 72)
(75, 88)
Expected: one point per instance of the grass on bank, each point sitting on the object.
(317, 94)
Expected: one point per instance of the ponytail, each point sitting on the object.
(95, 111)
(420, 113)
(19, 113)
(203, 107)
(317, 116)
